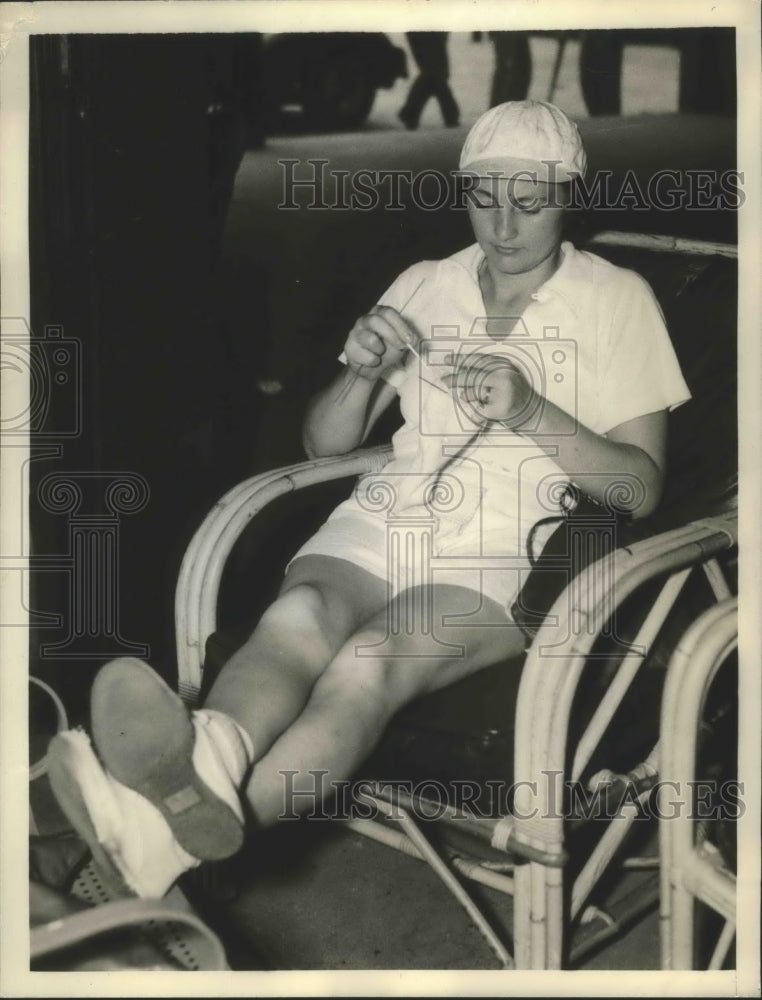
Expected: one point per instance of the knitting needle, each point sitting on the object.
(347, 388)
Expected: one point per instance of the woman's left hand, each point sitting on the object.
(491, 388)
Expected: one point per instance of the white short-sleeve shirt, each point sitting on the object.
(592, 341)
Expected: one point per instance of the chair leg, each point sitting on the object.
(555, 926)
(682, 909)
(522, 916)
(538, 917)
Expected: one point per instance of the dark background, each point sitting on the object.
(134, 144)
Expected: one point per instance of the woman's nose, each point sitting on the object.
(505, 223)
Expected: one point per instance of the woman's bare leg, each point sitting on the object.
(354, 698)
(266, 684)
(172, 780)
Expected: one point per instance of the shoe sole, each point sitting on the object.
(63, 780)
(145, 737)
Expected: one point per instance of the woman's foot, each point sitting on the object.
(148, 741)
(164, 794)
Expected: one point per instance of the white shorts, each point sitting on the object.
(403, 557)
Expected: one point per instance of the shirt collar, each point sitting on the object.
(564, 283)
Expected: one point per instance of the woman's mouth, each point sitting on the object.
(506, 251)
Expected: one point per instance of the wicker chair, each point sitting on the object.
(532, 851)
(694, 868)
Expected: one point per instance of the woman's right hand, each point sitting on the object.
(377, 342)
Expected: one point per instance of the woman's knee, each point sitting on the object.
(375, 685)
(335, 590)
(303, 613)
(312, 618)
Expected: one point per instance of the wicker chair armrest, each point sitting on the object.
(204, 561)
(553, 668)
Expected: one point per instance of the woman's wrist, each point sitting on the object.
(525, 413)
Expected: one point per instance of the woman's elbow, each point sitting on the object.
(317, 443)
(647, 491)
(326, 445)
(309, 450)
(315, 448)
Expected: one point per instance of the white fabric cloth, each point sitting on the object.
(222, 754)
(593, 341)
(132, 831)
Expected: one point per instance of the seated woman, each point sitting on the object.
(518, 361)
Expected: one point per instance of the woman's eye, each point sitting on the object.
(483, 199)
(530, 207)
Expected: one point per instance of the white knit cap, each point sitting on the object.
(529, 137)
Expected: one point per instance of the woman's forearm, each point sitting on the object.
(339, 417)
(603, 467)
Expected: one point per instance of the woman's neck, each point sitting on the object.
(512, 291)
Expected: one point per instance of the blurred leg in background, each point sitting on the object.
(513, 66)
(429, 50)
(707, 68)
(600, 71)
(708, 71)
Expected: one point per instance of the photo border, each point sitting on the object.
(18, 22)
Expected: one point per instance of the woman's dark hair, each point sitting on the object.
(578, 220)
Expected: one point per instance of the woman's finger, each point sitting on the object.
(471, 382)
(371, 341)
(475, 382)
(363, 359)
(391, 327)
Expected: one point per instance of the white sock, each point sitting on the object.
(222, 754)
